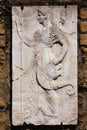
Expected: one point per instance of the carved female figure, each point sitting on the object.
(48, 64)
(51, 37)
(49, 67)
(44, 65)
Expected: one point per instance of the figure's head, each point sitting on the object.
(42, 17)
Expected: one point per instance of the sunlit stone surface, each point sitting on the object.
(44, 65)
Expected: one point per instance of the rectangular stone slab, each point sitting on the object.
(44, 65)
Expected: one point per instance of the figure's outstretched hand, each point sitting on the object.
(56, 61)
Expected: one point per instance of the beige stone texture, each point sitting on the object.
(3, 117)
(83, 26)
(2, 28)
(2, 54)
(83, 39)
(2, 126)
(83, 13)
(2, 103)
(84, 49)
(2, 41)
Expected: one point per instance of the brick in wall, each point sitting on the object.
(83, 13)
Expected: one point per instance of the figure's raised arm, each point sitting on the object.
(24, 38)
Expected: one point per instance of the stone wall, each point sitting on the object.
(6, 70)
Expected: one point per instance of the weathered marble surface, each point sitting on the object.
(44, 63)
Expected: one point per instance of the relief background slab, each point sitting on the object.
(44, 65)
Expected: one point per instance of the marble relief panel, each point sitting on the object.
(44, 65)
